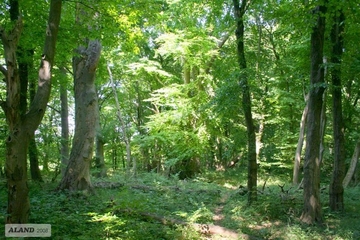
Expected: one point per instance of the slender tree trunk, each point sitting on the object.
(262, 121)
(22, 127)
(144, 150)
(99, 148)
(336, 186)
(312, 206)
(77, 175)
(33, 150)
(300, 146)
(246, 100)
(353, 164)
(64, 112)
(123, 127)
(25, 61)
(322, 128)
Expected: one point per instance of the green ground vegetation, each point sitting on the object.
(152, 206)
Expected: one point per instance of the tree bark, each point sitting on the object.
(25, 62)
(33, 150)
(336, 192)
(312, 212)
(322, 128)
(353, 164)
(300, 146)
(22, 127)
(34, 161)
(64, 112)
(99, 148)
(77, 174)
(246, 100)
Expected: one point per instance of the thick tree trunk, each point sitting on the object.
(22, 127)
(246, 100)
(77, 175)
(300, 146)
(312, 206)
(336, 186)
(353, 164)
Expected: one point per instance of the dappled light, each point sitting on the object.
(180, 119)
(155, 207)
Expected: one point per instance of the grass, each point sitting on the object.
(127, 210)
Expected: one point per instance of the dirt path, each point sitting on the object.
(216, 230)
(219, 216)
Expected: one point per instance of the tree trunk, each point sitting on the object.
(22, 127)
(77, 174)
(300, 146)
(64, 124)
(24, 58)
(99, 148)
(312, 206)
(123, 128)
(353, 164)
(33, 150)
(34, 161)
(246, 100)
(336, 186)
(322, 128)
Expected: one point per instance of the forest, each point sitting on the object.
(180, 119)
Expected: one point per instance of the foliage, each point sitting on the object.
(118, 212)
(152, 47)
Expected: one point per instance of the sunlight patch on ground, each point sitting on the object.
(230, 186)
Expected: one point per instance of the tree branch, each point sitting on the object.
(37, 108)
(219, 46)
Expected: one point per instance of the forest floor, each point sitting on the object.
(211, 206)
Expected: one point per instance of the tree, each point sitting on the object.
(312, 212)
(353, 164)
(64, 112)
(23, 126)
(77, 175)
(336, 187)
(246, 99)
(25, 61)
(99, 147)
(299, 146)
(33, 149)
(123, 127)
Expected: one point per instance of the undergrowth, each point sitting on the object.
(152, 206)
